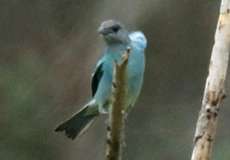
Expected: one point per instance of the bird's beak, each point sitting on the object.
(103, 31)
(100, 30)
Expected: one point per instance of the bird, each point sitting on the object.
(117, 39)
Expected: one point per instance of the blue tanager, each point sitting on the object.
(117, 40)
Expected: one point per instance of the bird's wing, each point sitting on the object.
(96, 77)
(139, 39)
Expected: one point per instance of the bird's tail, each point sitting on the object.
(79, 122)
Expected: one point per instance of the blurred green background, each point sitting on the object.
(48, 50)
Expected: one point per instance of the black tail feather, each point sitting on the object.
(77, 123)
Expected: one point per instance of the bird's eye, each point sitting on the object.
(116, 28)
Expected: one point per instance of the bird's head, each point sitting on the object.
(113, 32)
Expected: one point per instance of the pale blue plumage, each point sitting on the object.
(135, 72)
(117, 41)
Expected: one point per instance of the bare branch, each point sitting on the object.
(115, 129)
(214, 90)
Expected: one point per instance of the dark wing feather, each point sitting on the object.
(96, 78)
